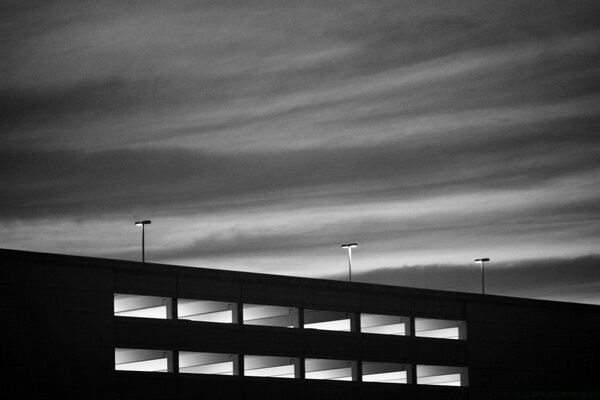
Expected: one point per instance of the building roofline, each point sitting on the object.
(180, 270)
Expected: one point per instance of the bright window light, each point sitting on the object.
(272, 367)
(383, 324)
(207, 363)
(337, 370)
(385, 372)
(442, 375)
(327, 320)
(267, 315)
(206, 311)
(132, 305)
(142, 360)
(440, 328)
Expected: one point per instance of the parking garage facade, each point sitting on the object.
(116, 329)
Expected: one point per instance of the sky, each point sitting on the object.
(261, 135)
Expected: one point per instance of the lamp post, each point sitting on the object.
(482, 261)
(349, 246)
(143, 224)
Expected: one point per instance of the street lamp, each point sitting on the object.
(142, 224)
(349, 246)
(482, 261)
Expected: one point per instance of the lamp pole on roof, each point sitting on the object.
(482, 261)
(349, 246)
(143, 224)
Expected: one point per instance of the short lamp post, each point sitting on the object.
(143, 224)
(349, 246)
(482, 261)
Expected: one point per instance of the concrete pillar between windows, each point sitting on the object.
(411, 374)
(464, 377)
(172, 361)
(409, 326)
(354, 322)
(294, 317)
(359, 372)
(238, 318)
(238, 313)
(355, 367)
(299, 371)
(238, 365)
(462, 330)
(234, 312)
(168, 303)
(172, 308)
(301, 321)
(172, 314)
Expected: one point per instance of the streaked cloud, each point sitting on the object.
(260, 135)
(558, 279)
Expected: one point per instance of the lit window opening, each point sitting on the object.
(206, 311)
(442, 375)
(327, 320)
(208, 363)
(143, 360)
(271, 367)
(386, 372)
(132, 305)
(267, 315)
(337, 370)
(440, 328)
(384, 324)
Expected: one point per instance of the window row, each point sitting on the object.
(129, 305)
(287, 367)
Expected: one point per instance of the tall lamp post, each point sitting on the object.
(143, 224)
(349, 246)
(482, 261)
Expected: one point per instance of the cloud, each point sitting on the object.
(39, 183)
(561, 279)
(232, 77)
(423, 130)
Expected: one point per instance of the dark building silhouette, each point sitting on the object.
(83, 327)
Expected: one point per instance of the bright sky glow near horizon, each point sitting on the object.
(260, 136)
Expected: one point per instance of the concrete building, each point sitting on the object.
(96, 328)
